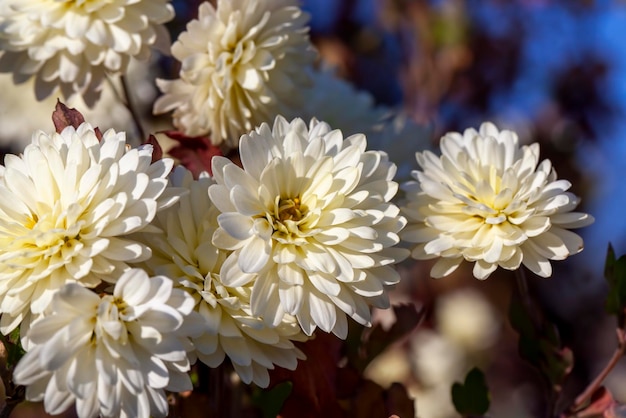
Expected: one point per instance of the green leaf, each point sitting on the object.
(471, 397)
(13, 347)
(271, 401)
(615, 274)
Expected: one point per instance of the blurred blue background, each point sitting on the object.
(555, 71)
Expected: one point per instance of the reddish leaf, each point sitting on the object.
(63, 117)
(324, 385)
(195, 153)
(98, 133)
(157, 151)
(600, 405)
(368, 401)
(399, 402)
(314, 380)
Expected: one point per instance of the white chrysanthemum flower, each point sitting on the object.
(114, 355)
(486, 200)
(310, 222)
(66, 206)
(184, 252)
(243, 63)
(74, 44)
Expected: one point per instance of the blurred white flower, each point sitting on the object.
(114, 355)
(485, 200)
(183, 251)
(467, 318)
(242, 63)
(436, 359)
(435, 402)
(75, 44)
(310, 222)
(396, 133)
(66, 206)
(344, 107)
(340, 104)
(389, 366)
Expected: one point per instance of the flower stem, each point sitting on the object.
(525, 296)
(522, 283)
(597, 382)
(533, 310)
(133, 112)
(125, 98)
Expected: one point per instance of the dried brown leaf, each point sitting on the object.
(157, 151)
(63, 116)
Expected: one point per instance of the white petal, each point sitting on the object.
(254, 255)
(445, 266)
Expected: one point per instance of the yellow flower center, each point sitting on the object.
(489, 200)
(52, 239)
(287, 219)
(289, 209)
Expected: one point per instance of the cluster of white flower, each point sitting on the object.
(68, 204)
(183, 250)
(112, 355)
(120, 272)
(303, 236)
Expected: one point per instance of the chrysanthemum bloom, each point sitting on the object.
(310, 223)
(66, 206)
(113, 355)
(74, 44)
(488, 201)
(183, 251)
(243, 63)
